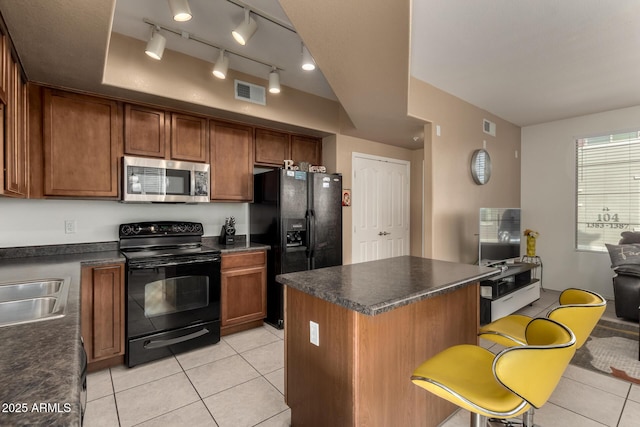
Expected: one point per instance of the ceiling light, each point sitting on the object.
(180, 10)
(155, 45)
(222, 65)
(274, 81)
(243, 33)
(308, 64)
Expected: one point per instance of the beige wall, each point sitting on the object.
(126, 68)
(345, 147)
(452, 198)
(549, 197)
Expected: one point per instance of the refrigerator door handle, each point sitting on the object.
(312, 238)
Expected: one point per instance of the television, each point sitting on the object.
(499, 236)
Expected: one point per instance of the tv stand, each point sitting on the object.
(508, 292)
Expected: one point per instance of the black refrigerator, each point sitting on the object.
(299, 214)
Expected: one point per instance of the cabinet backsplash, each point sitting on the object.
(42, 222)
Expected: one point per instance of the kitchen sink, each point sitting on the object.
(24, 290)
(32, 301)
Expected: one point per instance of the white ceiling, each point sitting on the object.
(525, 61)
(530, 62)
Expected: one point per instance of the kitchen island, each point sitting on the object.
(376, 322)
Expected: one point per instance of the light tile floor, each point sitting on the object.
(240, 382)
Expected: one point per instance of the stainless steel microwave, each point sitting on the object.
(159, 180)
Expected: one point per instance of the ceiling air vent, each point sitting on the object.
(250, 92)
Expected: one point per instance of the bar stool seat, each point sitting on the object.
(503, 385)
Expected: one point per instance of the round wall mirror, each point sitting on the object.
(481, 166)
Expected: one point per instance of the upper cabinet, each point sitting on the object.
(306, 149)
(152, 132)
(188, 138)
(81, 144)
(146, 131)
(13, 121)
(5, 58)
(272, 148)
(231, 161)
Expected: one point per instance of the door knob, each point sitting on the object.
(383, 233)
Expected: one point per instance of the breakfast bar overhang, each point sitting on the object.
(376, 322)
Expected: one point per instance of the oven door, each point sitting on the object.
(172, 306)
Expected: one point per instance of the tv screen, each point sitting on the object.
(499, 235)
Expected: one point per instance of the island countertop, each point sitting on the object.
(375, 287)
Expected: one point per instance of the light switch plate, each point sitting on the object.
(314, 333)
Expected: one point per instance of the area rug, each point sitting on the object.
(611, 349)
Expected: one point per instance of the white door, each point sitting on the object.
(380, 203)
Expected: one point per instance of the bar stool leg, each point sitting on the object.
(477, 420)
(527, 418)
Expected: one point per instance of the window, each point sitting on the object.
(608, 189)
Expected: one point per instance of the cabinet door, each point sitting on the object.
(271, 147)
(81, 139)
(5, 57)
(306, 149)
(243, 295)
(15, 144)
(231, 162)
(103, 311)
(145, 131)
(188, 138)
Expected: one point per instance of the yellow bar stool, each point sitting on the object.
(579, 310)
(502, 385)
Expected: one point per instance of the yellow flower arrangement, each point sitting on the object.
(531, 242)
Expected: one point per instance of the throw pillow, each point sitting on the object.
(624, 254)
(629, 237)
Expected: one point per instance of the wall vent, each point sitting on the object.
(489, 127)
(250, 92)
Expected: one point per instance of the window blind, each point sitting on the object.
(608, 189)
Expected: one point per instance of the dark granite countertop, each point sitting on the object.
(375, 287)
(241, 245)
(40, 361)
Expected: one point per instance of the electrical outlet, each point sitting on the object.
(69, 226)
(314, 333)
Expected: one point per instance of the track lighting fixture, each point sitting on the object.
(274, 81)
(180, 10)
(222, 66)
(244, 31)
(308, 64)
(155, 45)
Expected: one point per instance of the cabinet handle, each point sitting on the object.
(383, 233)
(508, 298)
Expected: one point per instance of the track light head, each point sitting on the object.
(244, 31)
(180, 10)
(155, 45)
(274, 81)
(308, 63)
(222, 66)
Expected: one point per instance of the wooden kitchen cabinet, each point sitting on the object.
(102, 314)
(153, 132)
(306, 149)
(15, 161)
(188, 138)
(231, 161)
(146, 131)
(5, 58)
(81, 144)
(243, 291)
(271, 147)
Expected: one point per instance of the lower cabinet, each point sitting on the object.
(102, 310)
(244, 291)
